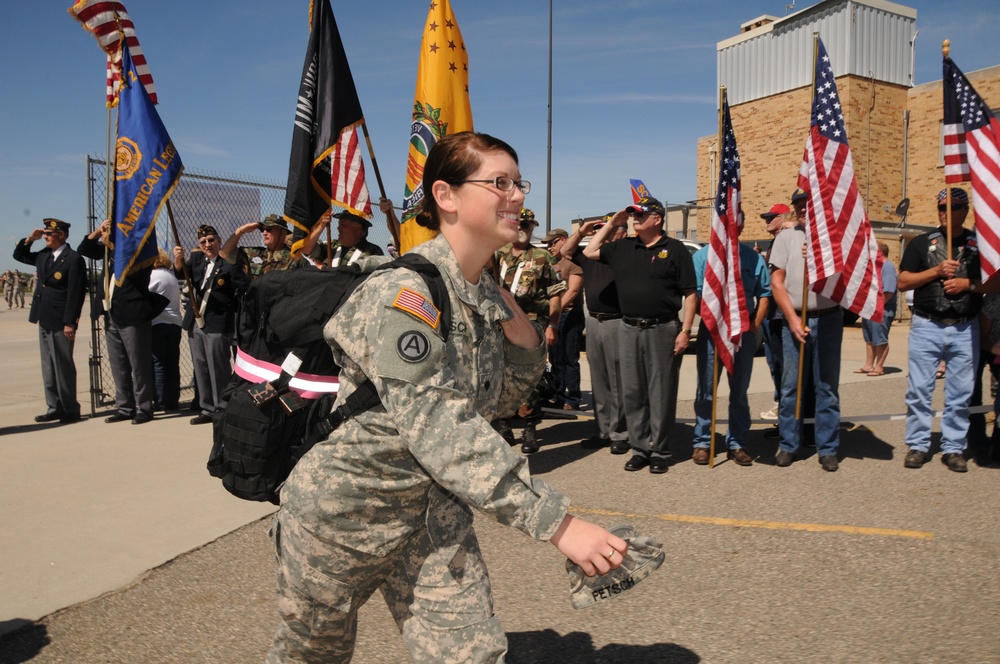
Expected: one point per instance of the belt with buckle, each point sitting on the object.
(648, 322)
(603, 317)
(816, 313)
(942, 319)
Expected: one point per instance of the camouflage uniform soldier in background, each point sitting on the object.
(22, 285)
(384, 502)
(529, 273)
(8, 282)
(255, 261)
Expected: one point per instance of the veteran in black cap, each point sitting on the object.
(56, 304)
(216, 284)
(654, 277)
(350, 246)
(255, 261)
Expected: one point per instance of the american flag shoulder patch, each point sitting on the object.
(417, 305)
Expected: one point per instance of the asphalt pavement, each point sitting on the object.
(119, 547)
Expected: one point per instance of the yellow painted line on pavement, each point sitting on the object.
(767, 525)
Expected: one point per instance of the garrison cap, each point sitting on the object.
(644, 556)
(799, 195)
(206, 230)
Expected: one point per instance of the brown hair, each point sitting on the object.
(162, 260)
(453, 159)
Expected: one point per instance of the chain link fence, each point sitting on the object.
(200, 198)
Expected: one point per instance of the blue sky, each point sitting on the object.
(634, 87)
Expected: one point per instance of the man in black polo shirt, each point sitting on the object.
(653, 274)
(603, 322)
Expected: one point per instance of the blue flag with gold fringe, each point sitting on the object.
(147, 168)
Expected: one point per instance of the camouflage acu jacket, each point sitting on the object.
(429, 451)
(537, 280)
(255, 261)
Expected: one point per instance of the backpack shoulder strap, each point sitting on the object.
(435, 283)
(365, 397)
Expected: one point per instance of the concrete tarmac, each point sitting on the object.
(119, 547)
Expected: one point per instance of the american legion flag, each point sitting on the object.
(723, 303)
(147, 168)
(972, 154)
(105, 19)
(842, 258)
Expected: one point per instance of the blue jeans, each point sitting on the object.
(771, 329)
(822, 363)
(565, 357)
(166, 365)
(739, 381)
(958, 346)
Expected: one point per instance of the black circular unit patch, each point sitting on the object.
(413, 346)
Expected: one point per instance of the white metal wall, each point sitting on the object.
(863, 38)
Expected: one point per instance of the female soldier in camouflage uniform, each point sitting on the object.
(384, 502)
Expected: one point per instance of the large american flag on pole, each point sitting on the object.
(972, 133)
(842, 259)
(723, 303)
(99, 17)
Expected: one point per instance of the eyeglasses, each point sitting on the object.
(504, 183)
(527, 225)
(48, 233)
(954, 208)
(208, 240)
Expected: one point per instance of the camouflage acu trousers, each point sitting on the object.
(438, 593)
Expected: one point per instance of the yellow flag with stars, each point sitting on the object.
(440, 107)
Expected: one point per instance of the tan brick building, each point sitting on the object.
(894, 129)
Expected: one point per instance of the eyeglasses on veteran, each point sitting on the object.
(504, 183)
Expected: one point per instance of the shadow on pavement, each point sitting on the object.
(22, 640)
(548, 646)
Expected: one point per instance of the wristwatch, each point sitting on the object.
(687, 331)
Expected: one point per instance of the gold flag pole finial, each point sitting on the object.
(946, 47)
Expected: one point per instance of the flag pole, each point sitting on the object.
(946, 51)
(195, 305)
(805, 272)
(391, 222)
(715, 354)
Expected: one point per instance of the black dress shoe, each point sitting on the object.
(620, 447)
(202, 418)
(637, 462)
(142, 418)
(829, 463)
(117, 417)
(594, 443)
(70, 419)
(48, 417)
(658, 465)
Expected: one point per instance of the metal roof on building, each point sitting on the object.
(867, 38)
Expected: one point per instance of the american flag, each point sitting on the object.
(972, 132)
(347, 172)
(98, 17)
(723, 303)
(842, 259)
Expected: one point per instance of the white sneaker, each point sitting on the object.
(770, 414)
